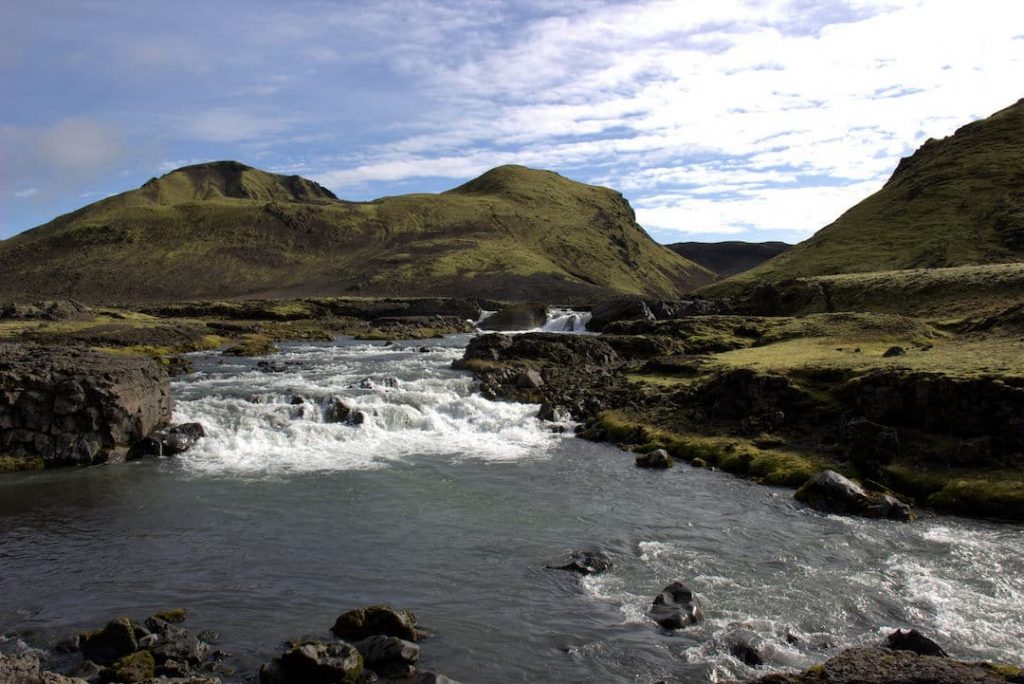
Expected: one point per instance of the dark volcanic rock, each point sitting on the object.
(742, 393)
(871, 445)
(551, 348)
(169, 441)
(336, 410)
(914, 641)
(313, 662)
(659, 459)
(830, 492)
(175, 643)
(516, 317)
(49, 310)
(748, 647)
(675, 607)
(620, 309)
(71, 406)
(113, 642)
(882, 666)
(585, 563)
(376, 620)
(389, 657)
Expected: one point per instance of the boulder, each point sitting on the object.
(912, 640)
(175, 643)
(376, 620)
(894, 351)
(620, 309)
(113, 642)
(336, 410)
(70, 406)
(659, 459)
(389, 657)
(747, 647)
(830, 492)
(313, 662)
(675, 607)
(516, 317)
(585, 563)
(134, 668)
(169, 441)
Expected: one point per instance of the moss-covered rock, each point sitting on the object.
(134, 668)
(252, 345)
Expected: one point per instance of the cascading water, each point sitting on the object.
(451, 505)
(566, 320)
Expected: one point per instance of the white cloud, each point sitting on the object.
(80, 145)
(26, 193)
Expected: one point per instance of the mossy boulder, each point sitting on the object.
(134, 668)
(659, 459)
(115, 641)
(374, 620)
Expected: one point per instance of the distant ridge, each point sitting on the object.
(227, 230)
(729, 257)
(954, 202)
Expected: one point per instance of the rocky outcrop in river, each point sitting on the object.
(62, 406)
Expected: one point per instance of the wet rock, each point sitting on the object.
(894, 351)
(882, 666)
(553, 413)
(313, 662)
(659, 459)
(585, 563)
(376, 620)
(370, 383)
(389, 657)
(74, 406)
(336, 410)
(914, 641)
(516, 317)
(23, 668)
(747, 647)
(830, 492)
(116, 640)
(271, 367)
(169, 441)
(675, 607)
(175, 643)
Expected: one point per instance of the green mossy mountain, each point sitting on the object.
(730, 257)
(225, 230)
(955, 202)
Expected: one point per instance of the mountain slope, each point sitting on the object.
(730, 257)
(223, 229)
(957, 201)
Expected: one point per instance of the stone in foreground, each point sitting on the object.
(659, 459)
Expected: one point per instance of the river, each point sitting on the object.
(452, 506)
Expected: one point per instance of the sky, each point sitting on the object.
(718, 120)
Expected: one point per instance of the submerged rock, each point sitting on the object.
(389, 657)
(375, 620)
(676, 607)
(747, 647)
(830, 492)
(585, 563)
(659, 459)
(169, 441)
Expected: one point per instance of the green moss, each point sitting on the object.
(134, 668)
(252, 345)
(734, 455)
(10, 464)
(988, 494)
(175, 615)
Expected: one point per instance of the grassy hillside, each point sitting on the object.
(731, 257)
(223, 229)
(955, 202)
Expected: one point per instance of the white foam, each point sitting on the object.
(413, 406)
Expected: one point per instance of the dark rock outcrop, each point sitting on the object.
(747, 647)
(743, 392)
(549, 348)
(830, 492)
(675, 607)
(49, 310)
(882, 666)
(75, 406)
(914, 641)
(376, 620)
(313, 662)
(659, 459)
(116, 640)
(620, 309)
(389, 657)
(516, 317)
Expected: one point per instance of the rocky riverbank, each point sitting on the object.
(917, 414)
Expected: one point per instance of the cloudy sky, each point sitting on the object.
(718, 119)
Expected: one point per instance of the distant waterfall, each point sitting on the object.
(566, 320)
